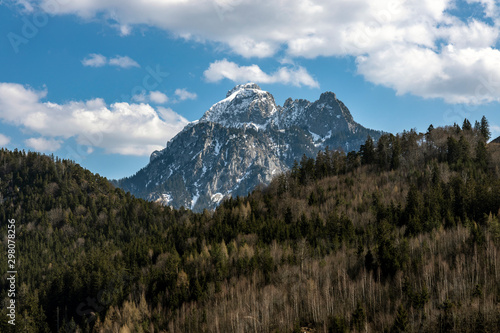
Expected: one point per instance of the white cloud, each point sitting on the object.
(141, 98)
(370, 30)
(456, 75)
(158, 97)
(125, 30)
(98, 60)
(183, 94)
(4, 140)
(252, 48)
(95, 60)
(121, 128)
(475, 34)
(224, 69)
(169, 115)
(43, 145)
(123, 62)
(495, 131)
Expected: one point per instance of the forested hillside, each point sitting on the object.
(402, 236)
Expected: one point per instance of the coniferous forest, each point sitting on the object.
(400, 236)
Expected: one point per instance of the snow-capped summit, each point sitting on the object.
(244, 105)
(246, 86)
(242, 141)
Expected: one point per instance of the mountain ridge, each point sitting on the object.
(240, 142)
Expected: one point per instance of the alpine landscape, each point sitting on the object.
(301, 166)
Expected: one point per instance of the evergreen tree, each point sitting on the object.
(367, 151)
(401, 321)
(463, 150)
(453, 150)
(481, 155)
(383, 153)
(430, 129)
(466, 125)
(396, 152)
(484, 129)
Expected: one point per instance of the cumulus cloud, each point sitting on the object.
(120, 128)
(43, 145)
(98, 60)
(169, 115)
(183, 94)
(224, 69)
(95, 60)
(4, 140)
(371, 31)
(158, 97)
(456, 75)
(125, 30)
(123, 62)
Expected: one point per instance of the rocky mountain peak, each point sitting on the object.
(242, 141)
(246, 86)
(288, 103)
(327, 96)
(245, 105)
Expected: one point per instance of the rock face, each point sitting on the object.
(240, 142)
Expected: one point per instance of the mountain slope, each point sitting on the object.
(240, 142)
(349, 247)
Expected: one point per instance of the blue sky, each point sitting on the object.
(105, 83)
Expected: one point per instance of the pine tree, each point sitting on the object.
(464, 149)
(383, 153)
(396, 152)
(484, 129)
(466, 125)
(367, 151)
(481, 155)
(430, 129)
(453, 151)
(401, 321)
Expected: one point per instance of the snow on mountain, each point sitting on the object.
(242, 141)
(244, 105)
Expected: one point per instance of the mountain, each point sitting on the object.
(240, 142)
(342, 247)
